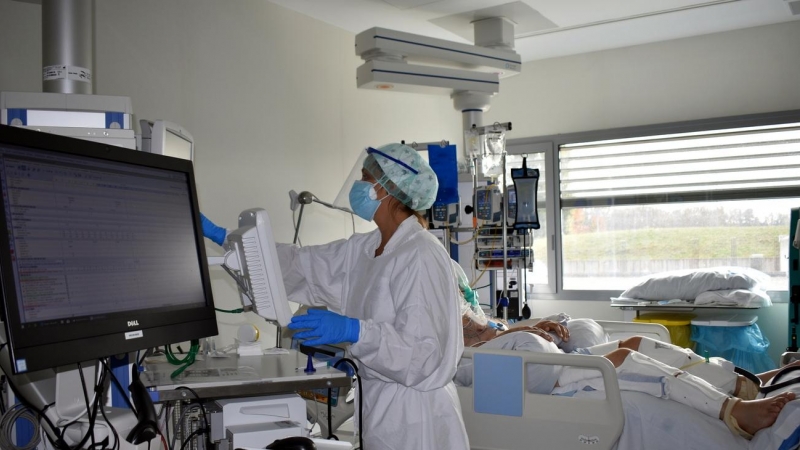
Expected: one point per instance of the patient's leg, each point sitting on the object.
(753, 415)
(743, 417)
(717, 371)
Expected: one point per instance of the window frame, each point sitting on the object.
(550, 145)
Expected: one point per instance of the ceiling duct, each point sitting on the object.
(67, 35)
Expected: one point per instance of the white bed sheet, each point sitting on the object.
(656, 424)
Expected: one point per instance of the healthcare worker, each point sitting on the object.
(391, 293)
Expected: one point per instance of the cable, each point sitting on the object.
(119, 387)
(183, 362)
(330, 415)
(110, 425)
(360, 401)
(7, 422)
(191, 436)
(86, 398)
(60, 443)
(230, 311)
(202, 409)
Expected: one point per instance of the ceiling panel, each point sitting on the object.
(552, 28)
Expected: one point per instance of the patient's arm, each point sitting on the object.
(529, 329)
(766, 376)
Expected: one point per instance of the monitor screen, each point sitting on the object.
(102, 251)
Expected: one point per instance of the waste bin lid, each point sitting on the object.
(728, 320)
(666, 319)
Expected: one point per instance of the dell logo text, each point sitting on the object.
(133, 323)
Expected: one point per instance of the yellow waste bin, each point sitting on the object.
(678, 324)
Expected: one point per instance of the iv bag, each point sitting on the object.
(493, 146)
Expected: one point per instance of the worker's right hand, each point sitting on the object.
(213, 231)
(325, 327)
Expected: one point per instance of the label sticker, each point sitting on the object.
(62, 72)
(134, 334)
(79, 74)
(22, 365)
(54, 73)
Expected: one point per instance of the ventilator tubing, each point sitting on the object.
(717, 371)
(679, 386)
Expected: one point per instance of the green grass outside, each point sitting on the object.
(672, 243)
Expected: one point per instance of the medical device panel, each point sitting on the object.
(166, 138)
(488, 205)
(252, 261)
(526, 182)
(102, 250)
(445, 215)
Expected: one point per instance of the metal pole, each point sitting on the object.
(504, 224)
(67, 34)
(297, 228)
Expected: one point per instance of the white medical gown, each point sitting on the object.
(411, 336)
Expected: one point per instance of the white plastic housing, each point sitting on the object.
(402, 77)
(254, 247)
(440, 52)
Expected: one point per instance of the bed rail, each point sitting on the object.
(547, 421)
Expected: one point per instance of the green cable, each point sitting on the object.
(230, 311)
(185, 362)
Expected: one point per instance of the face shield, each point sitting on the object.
(400, 170)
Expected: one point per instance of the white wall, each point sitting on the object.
(268, 94)
(270, 97)
(747, 71)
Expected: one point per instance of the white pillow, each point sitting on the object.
(583, 333)
(687, 285)
(540, 377)
(734, 297)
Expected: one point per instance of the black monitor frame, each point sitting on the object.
(77, 341)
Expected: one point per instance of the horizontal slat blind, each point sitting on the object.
(744, 163)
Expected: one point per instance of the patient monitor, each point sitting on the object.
(252, 260)
(101, 253)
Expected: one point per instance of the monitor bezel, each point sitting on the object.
(56, 345)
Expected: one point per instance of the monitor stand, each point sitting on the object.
(63, 386)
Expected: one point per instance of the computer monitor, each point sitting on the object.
(101, 251)
(252, 260)
(166, 138)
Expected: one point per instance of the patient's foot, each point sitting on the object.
(753, 415)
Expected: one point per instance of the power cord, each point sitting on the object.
(9, 420)
(60, 443)
(88, 408)
(119, 387)
(352, 364)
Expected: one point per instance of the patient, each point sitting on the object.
(642, 364)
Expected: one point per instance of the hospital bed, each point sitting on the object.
(544, 421)
(612, 420)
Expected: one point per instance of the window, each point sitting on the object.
(637, 206)
(538, 276)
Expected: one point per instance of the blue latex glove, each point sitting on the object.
(213, 231)
(325, 327)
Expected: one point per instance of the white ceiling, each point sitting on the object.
(552, 28)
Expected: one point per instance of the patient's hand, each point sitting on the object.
(555, 328)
